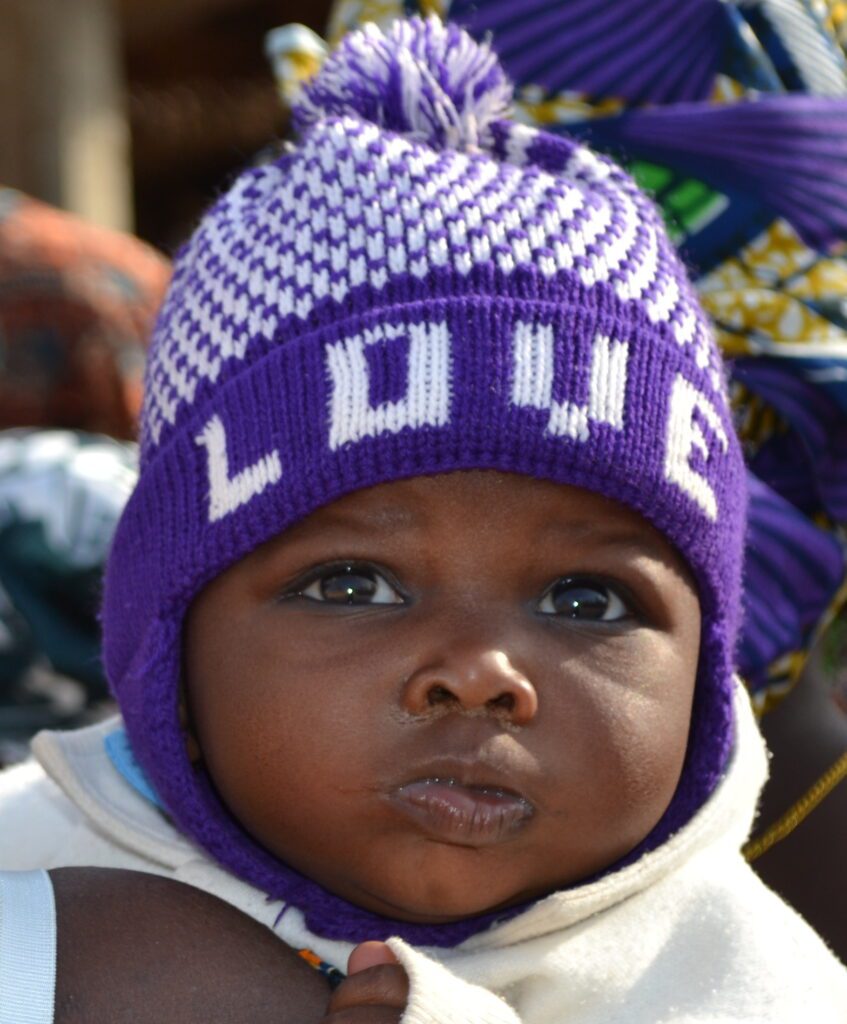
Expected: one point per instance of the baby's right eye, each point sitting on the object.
(351, 585)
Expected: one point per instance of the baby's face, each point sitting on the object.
(444, 695)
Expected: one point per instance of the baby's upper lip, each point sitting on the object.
(474, 771)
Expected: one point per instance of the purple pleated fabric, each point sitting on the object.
(604, 47)
(790, 151)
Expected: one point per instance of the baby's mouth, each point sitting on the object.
(468, 815)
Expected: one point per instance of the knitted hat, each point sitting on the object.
(419, 286)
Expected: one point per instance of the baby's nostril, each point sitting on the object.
(439, 695)
(505, 702)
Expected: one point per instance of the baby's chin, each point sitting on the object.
(434, 883)
(441, 908)
(443, 899)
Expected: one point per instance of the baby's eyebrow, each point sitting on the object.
(386, 518)
(599, 534)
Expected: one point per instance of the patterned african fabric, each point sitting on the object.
(733, 114)
(77, 303)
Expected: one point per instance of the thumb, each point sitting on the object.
(369, 954)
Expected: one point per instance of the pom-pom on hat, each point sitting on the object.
(429, 81)
(420, 285)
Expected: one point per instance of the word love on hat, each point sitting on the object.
(426, 392)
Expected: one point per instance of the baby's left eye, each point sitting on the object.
(585, 600)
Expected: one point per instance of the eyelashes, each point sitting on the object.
(576, 598)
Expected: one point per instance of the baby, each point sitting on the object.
(421, 617)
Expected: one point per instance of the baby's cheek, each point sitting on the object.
(649, 775)
(651, 755)
(629, 723)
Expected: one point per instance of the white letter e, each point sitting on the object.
(684, 435)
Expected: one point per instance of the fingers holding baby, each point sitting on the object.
(375, 990)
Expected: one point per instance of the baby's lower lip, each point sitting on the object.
(462, 814)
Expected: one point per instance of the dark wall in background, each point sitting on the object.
(202, 101)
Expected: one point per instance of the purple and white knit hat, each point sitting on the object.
(419, 286)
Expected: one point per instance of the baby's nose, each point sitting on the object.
(473, 681)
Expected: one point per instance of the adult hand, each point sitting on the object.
(375, 990)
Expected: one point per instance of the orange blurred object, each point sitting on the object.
(77, 304)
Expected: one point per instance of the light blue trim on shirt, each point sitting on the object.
(27, 947)
(121, 755)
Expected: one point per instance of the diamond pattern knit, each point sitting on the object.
(357, 208)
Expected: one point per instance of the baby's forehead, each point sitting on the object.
(483, 503)
(487, 493)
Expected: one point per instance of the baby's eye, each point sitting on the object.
(351, 584)
(585, 600)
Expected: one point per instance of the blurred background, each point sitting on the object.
(133, 113)
(120, 121)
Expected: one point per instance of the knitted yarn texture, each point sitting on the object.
(418, 286)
